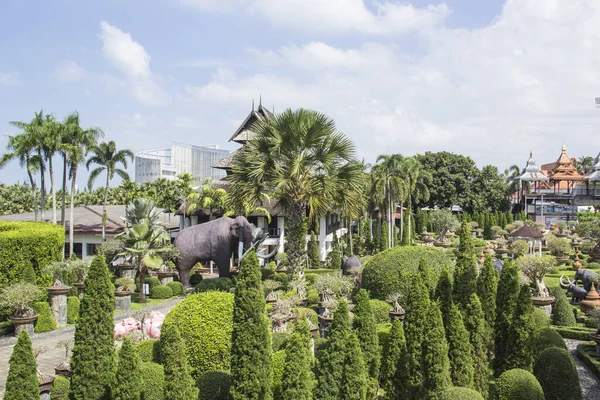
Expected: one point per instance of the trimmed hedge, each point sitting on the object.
(45, 321)
(223, 284)
(205, 322)
(587, 353)
(388, 271)
(278, 341)
(27, 247)
(152, 281)
(214, 385)
(176, 287)
(148, 350)
(574, 332)
(60, 390)
(556, 373)
(518, 384)
(7, 328)
(546, 338)
(380, 311)
(161, 292)
(383, 334)
(460, 393)
(153, 381)
(562, 312)
(277, 362)
(72, 309)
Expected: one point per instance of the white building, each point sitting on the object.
(180, 158)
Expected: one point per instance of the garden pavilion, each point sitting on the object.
(532, 236)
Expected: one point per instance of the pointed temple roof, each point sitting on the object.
(243, 133)
(527, 232)
(532, 171)
(563, 169)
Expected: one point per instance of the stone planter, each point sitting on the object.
(165, 277)
(123, 300)
(46, 383)
(314, 331)
(24, 324)
(442, 244)
(324, 325)
(127, 271)
(544, 303)
(562, 259)
(63, 369)
(596, 338)
(79, 286)
(58, 303)
(394, 315)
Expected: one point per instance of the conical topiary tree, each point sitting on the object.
(354, 378)
(465, 275)
(334, 258)
(22, 381)
(93, 361)
(128, 380)
(487, 286)
(460, 352)
(394, 373)
(476, 326)
(428, 275)
(251, 338)
(562, 312)
(366, 331)
(384, 240)
(179, 384)
(313, 251)
(298, 380)
(520, 333)
(506, 301)
(436, 366)
(443, 294)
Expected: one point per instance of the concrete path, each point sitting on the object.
(589, 383)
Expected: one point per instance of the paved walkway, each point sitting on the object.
(589, 383)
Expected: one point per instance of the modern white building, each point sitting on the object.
(180, 158)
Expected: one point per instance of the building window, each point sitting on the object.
(91, 249)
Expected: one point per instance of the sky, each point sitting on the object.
(487, 79)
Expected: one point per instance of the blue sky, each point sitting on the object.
(489, 79)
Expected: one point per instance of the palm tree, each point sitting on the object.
(416, 181)
(207, 196)
(144, 238)
(389, 188)
(108, 158)
(584, 164)
(301, 161)
(50, 139)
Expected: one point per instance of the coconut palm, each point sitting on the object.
(584, 164)
(416, 182)
(301, 161)
(207, 196)
(108, 158)
(388, 188)
(50, 139)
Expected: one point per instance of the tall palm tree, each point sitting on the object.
(108, 158)
(50, 139)
(416, 181)
(301, 161)
(389, 188)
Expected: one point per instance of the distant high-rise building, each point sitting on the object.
(171, 162)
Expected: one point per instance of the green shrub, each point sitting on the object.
(148, 350)
(562, 312)
(460, 393)
(176, 287)
(387, 272)
(179, 384)
(278, 341)
(223, 284)
(161, 292)
(546, 338)
(195, 279)
(383, 334)
(60, 390)
(309, 313)
(277, 361)
(518, 384)
(205, 322)
(380, 310)
(153, 379)
(594, 265)
(313, 296)
(45, 321)
(574, 332)
(72, 309)
(214, 385)
(7, 328)
(22, 380)
(540, 319)
(282, 278)
(310, 278)
(265, 273)
(587, 354)
(319, 346)
(26, 248)
(556, 373)
(152, 281)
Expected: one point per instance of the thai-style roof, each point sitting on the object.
(244, 133)
(225, 163)
(563, 169)
(527, 232)
(532, 171)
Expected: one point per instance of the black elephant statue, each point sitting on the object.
(577, 292)
(349, 262)
(586, 277)
(216, 241)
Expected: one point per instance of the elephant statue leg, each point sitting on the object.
(223, 263)
(184, 268)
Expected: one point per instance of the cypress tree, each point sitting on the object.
(334, 258)
(179, 384)
(443, 294)
(366, 331)
(436, 366)
(251, 337)
(394, 374)
(510, 218)
(506, 301)
(313, 251)
(465, 278)
(487, 286)
(22, 381)
(429, 278)
(503, 221)
(476, 326)
(383, 242)
(355, 377)
(298, 380)
(93, 362)
(460, 352)
(128, 380)
(520, 334)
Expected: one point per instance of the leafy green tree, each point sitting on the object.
(377, 234)
(520, 333)
(179, 384)
(436, 366)
(417, 182)
(22, 381)
(93, 360)
(313, 251)
(108, 158)
(506, 301)
(366, 332)
(443, 294)
(251, 337)
(465, 278)
(476, 326)
(128, 379)
(387, 189)
(487, 286)
(298, 380)
(394, 372)
(460, 352)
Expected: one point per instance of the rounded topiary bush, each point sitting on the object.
(195, 279)
(460, 393)
(387, 272)
(176, 287)
(380, 311)
(555, 370)
(45, 321)
(161, 292)
(546, 338)
(223, 284)
(153, 379)
(277, 361)
(148, 350)
(152, 281)
(60, 390)
(205, 322)
(540, 319)
(518, 384)
(214, 385)
(562, 312)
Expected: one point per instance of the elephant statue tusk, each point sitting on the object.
(562, 284)
(271, 254)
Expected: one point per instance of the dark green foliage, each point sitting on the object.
(204, 321)
(383, 241)
(355, 379)
(195, 279)
(279, 341)
(429, 276)
(298, 380)
(22, 381)
(266, 273)
(176, 288)
(148, 350)
(459, 350)
(45, 321)
(394, 370)
(366, 332)
(282, 278)
(152, 281)
(476, 326)
(128, 380)
(60, 389)
(520, 333)
(153, 381)
(277, 360)
(93, 361)
(562, 312)
(555, 371)
(506, 301)
(487, 286)
(546, 338)
(334, 258)
(443, 294)
(460, 393)
(436, 366)
(214, 385)
(320, 344)
(313, 251)
(224, 284)
(518, 384)
(380, 311)
(251, 337)
(161, 292)
(465, 275)
(388, 272)
(28, 247)
(540, 319)
(179, 384)
(72, 309)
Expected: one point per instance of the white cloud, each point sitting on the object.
(9, 79)
(70, 71)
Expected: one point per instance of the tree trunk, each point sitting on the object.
(401, 222)
(42, 188)
(349, 228)
(104, 208)
(71, 207)
(295, 232)
(391, 225)
(64, 191)
(52, 189)
(142, 276)
(409, 209)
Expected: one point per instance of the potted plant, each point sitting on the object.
(19, 298)
(80, 268)
(280, 315)
(562, 229)
(299, 286)
(45, 381)
(535, 269)
(124, 286)
(397, 312)
(559, 247)
(60, 272)
(443, 222)
(64, 368)
(270, 286)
